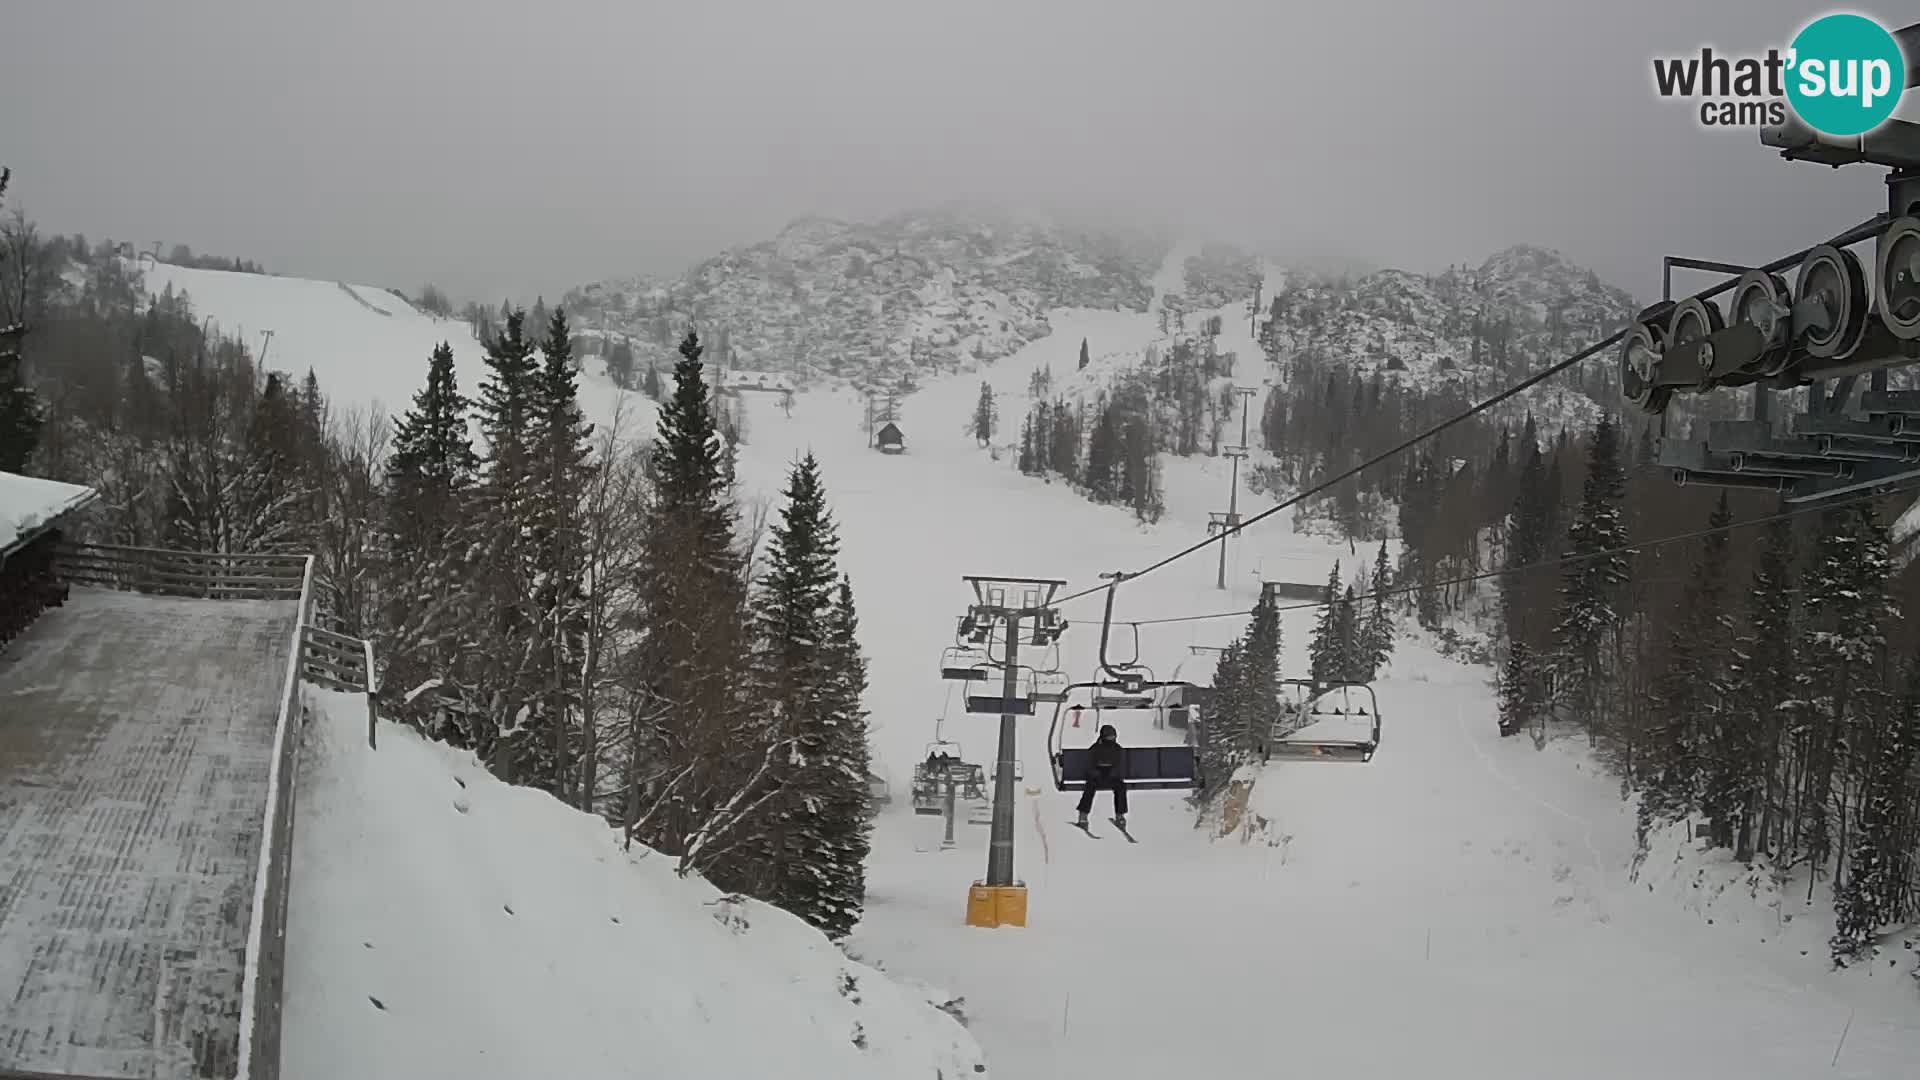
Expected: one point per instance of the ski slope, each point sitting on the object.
(368, 346)
(444, 924)
(1460, 907)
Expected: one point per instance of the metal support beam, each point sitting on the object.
(1000, 848)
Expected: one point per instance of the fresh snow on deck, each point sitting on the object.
(28, 502)
(135, 739)
(444, 924)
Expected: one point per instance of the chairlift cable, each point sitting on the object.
(1517, 388)
(1563, 560)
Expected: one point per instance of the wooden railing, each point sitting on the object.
(263, 986)
(340, 662)
(185, 573)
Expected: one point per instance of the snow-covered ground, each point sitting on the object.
(444, 924)
(28, 502)
(1462, 906)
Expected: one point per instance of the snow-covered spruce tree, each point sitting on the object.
(1352, 662)
(1228, 727)
(710, 755)
(1690, 726)
(1063, 446)
(1377, 639)
(1525, 595)
(847, 821)
(426, 588)
(1259, 671)
(1591, 586)
(1102, 478)
(795, 684)
(1324, 658)
(986, 416)
(1839, 657)
(1873, 892)
(501, 512)
(558, 471)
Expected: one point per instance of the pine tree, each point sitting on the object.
(986, 416)
(799, 685)
(1591, 585)
(1063, 448)
(1083, 355)
(1259, 670)
(1349, 662)
(847, 815)
(1689, 691)
(1324, 652)
(694, 724)
(430, 474)
(1524, 593)
(555, 544)
(1762, 687)
(1027, 464)
(1872, 893)
(1229, 727)
(1377, 640)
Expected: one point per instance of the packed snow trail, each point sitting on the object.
(1458, 907)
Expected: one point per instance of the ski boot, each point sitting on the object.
(1120, 821)
(1082, 823)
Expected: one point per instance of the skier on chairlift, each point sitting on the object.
(1106, 758)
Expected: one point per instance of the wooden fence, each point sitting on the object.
(185, 573)
(340, 662)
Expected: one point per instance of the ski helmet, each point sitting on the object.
(1107, 732)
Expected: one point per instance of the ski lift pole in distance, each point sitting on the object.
(999, 900)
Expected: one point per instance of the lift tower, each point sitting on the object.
(1002, 604)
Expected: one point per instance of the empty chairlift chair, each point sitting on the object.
(1328, 721)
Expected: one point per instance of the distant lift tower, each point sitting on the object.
(1003, 604)
(1231, 519)
(1842, 318)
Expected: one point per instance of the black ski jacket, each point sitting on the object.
(1107, 755)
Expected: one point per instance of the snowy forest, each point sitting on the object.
(584, 609)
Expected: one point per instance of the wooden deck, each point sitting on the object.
(136, 736)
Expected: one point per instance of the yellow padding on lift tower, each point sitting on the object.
(997, 905)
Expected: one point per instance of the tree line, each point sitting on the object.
(584, 609)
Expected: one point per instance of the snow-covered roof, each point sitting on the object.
(28, 504)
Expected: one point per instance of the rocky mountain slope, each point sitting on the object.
(921, 292)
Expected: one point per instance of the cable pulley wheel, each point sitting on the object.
(1834, 276)
(1898, 277)
(1762, 301)
(1639, 365)
(1693, 319)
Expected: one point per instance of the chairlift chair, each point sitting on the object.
(989, 697)
(964, 663)
(1157, 767)
(1328, 700)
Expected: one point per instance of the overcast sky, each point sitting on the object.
(519, 148)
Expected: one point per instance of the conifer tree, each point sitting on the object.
(1349, 661)
(1760, 700)
(1590, 606)
(1873, 891)
(848, 819)
(1063, 448)
(1377, 640)
(1083, 355)
(20, 413)
(1259, 670)
(1324, 657)
(709, 756)
(1689, 725)
(1228, 727)
(430, 474)
(1523, 593)
(986, 415)
(801, 682)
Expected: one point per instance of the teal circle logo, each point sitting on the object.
(1846, 74)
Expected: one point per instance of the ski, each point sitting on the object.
(1083, 828)
(1123, 831)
